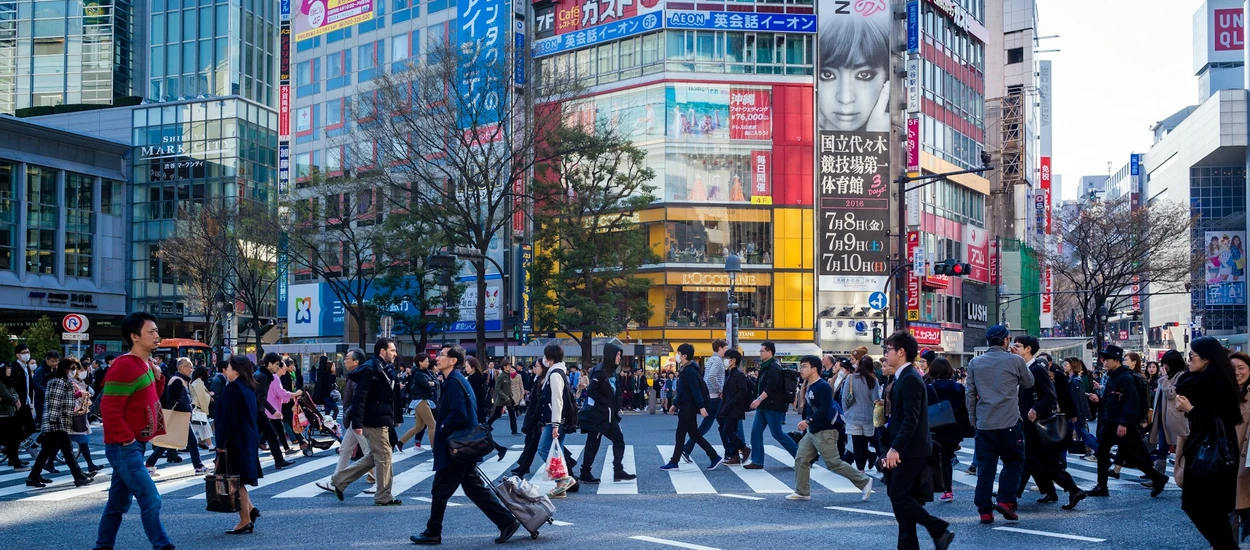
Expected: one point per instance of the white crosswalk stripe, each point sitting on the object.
(687, 479)
(413, 477)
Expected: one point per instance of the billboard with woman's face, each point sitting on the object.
(853, 149)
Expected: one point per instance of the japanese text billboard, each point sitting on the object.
(574, 15)
(853, 148)
(482, 27)
(1226, 268)
(317, 17)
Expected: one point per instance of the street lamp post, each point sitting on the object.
(226, 307)
(733, 265)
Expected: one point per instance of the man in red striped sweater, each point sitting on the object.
(131, 410)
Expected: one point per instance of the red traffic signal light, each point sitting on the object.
(952, 268)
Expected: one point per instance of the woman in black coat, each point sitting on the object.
(238, 436)
(948, 437)
(479, 382)
(736, 396)
(1210, 400)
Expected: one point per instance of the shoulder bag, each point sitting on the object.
(221, 489)
(1053, 430)
(941, 413)
(469, 445)
(1214, 454)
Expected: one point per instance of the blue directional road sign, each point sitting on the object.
(878, 301)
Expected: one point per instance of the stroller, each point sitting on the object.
(310, 420)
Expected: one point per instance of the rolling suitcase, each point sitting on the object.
(530, 507)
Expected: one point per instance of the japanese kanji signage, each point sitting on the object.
(854, 210)
(623, 28)
(853, 145)
(728, 20)
(482, 27)
(317, 17)
(575, 15)
(750, 114)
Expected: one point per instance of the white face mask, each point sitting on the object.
(24, 357)
(82, 375)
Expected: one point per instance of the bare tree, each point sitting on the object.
(191, 253)
(1108, 247)
(252, 253)
(409, 290)
(335, 233)
(457, 140)
(585, 277)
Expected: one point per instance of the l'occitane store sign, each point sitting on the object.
(719, 279)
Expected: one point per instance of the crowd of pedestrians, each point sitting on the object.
(905, 415)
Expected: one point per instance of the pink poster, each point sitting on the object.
(750, 114)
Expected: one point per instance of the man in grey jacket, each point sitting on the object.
(993, 395)
(714, 377)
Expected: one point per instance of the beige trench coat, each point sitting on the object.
(1173, 421)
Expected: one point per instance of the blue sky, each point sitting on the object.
(1124, 65)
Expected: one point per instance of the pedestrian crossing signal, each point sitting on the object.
(952, 268)
(876, 336)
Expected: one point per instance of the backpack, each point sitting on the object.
(568, 424)
(791, 379)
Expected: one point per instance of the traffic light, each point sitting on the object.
(876, 335)
(953, 268)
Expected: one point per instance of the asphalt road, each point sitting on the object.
(728, 508)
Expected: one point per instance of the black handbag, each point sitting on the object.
(1214, 455)
(469, 445)
(1053, 430)
(941, 414)
(221, 489)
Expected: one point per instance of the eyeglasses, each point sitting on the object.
(888, 349)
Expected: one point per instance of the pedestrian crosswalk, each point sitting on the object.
(413, 475)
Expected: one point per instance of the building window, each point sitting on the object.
(8, 214)
(709, 240)
(79, 200)
(111, 201)
(41, 219)
(704, 305)
(1015, 55)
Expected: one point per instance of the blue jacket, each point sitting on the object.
(819, 409)
(456, 411)
(690, 388)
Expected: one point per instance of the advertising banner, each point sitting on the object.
(913, 86)
(761, 182)
(926, 334)
(1226, 268)
(913, 144)
(317, 17)
(852, 188)
(284, 113)
(1048, 297)
(284, 54)
(976, 251)
(913, 278)
(913, 26)
(730, 21)
(577, 39)
(1230, 31)
(482, 32)
(527, 263)
(1045, 194)
(575, 15)
(750, 114)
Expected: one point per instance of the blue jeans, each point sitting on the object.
(1082, 429)
(331, 408)
(773, 420)
(130, 478)
(991, 445)
(712, 406)
(544, 445)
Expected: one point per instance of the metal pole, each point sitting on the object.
(900, 282)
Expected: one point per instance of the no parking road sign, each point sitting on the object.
(75, 323)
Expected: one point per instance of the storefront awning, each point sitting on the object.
(784, 349)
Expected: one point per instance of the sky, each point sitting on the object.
(1123, 65)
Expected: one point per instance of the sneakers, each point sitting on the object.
(669, 466)
(1008, 510)
(732, 461)
(370, 490)
(987, 519)
(715, 463)
(563, 485)
(867, 491)
(686, 457)
(947, 497)
(796, 496)
(152, 471)
(1089, 458)
(325, 486)
(203, 470)
(746, 455)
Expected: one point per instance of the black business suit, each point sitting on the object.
(910, 484)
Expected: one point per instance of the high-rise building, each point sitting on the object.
(947, 216)
(1014, 113)
(206, 132)
(62, 52)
